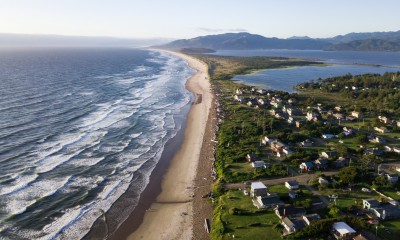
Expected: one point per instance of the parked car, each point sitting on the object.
(365, 190)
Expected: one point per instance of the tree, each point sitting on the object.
(370, 162)
(334, 211)
(347, 174)
(380, 181)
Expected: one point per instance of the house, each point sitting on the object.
(321, 163)
(292, 185)
(360, 237)
(329, 154)
(251, 157)
(392, 178)
(289, 211)
(307, 143)
(328, 136)
(339, 108)
(381, 129)
(341, 162)
(374, 151)
(322, 181)
(356, 114)
(338, 116)
(398, 123)
(258, 164)
(292, 112)
(298, 124)
(258, 189)
(310, 116)
(396, 149)
(292, 225)
(370, 203)
(290, 120)
(261, 91)
(310, 218)
(287, 151)
(384, 119)
(277, 146)
(263, 101)
(268, 201)
(386, 211)
(268, 140)
(292, 100)
(377, 139)
(307, 166)
(239, 91)
(340, 230)
(292, 194)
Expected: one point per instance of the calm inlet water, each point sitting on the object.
(76, 126)
(341, 63)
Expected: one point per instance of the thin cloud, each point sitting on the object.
(216, 30)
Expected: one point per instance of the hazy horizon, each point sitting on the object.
(182, 19)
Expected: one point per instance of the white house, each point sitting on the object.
(292, 185)
(328, 136)
(392, 177)
(381, 129)
(356, 114)
(258, 189)
(307, 143)
(311, 217)
(341, 230)
(258, 164)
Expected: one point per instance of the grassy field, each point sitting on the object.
(389, 230)
(347, 198)
(254, 224)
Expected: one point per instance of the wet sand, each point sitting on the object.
(171, 215)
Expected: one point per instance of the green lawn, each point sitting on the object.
(240, 225)
(346, 199)
(389, 230)
(391, 193)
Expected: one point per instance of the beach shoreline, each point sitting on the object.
(174, 209)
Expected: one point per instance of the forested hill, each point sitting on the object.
(377, 41)
(245, 41)
(367, 45)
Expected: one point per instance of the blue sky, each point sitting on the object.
(188, 18)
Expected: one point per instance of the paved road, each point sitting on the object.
(302, 179)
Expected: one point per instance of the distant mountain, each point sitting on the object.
(375, 41)
(391, 45)
(363, 36)
(243, 41)
(38, 40)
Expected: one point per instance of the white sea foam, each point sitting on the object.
(18, 201)
(19, 183)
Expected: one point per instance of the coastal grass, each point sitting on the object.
(389, 230)
(242, 220)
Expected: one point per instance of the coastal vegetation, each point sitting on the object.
(347, 110)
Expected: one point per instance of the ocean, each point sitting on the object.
(78, 128)
(339, 63)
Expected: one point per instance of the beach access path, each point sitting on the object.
(171, 215)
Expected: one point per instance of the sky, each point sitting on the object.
(188, 18)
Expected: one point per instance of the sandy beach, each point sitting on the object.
(171, 215)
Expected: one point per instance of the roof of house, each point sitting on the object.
(392, 175)
(292, 183)
(293, 193)
(372, 202)
(258, 185)
(258, 164)
(343, 228)
(271, 200)
(321, 161)
(308, 164)
(290, 210)
(312, 217)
